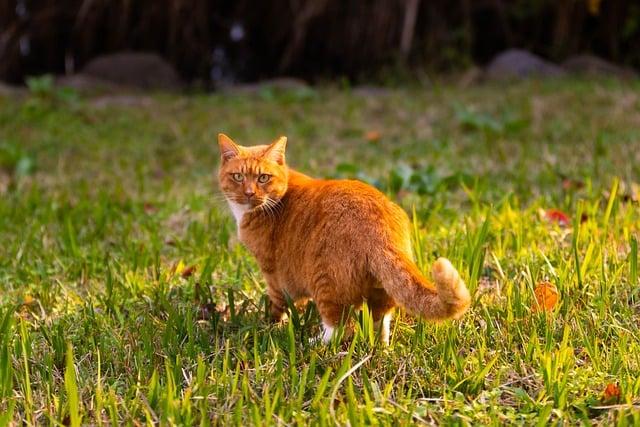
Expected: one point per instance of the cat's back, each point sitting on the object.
(341, 199)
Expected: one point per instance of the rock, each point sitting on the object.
(594, 66)
(12, 91)
(87, 84)
(122, 100)
(520, 64)
(134, 69)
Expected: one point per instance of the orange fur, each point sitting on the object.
(338, 242)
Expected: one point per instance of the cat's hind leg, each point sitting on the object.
(330, 307)
(384, 324)
(381, 305)
(332, 314)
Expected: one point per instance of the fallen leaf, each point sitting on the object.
(557, 216)
(611, 393)
(188, 271)
(149, 208)
(546, 295)
(372, 136)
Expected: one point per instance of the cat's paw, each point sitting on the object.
(327, 333)
(323, 337)
(385, 328)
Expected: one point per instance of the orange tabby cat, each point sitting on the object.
(338, 242)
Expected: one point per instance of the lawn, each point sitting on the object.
(125, 297)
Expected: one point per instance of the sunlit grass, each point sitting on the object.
(125, 297)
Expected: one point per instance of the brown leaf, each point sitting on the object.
(546, 295)
(611, 393)
(372, 136)
(188, 271)
(149, 208)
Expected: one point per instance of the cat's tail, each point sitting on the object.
(402, 280)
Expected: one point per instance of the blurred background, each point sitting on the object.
(211, 43)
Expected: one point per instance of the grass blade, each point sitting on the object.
(71, 387)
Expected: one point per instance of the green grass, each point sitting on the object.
(103, 209)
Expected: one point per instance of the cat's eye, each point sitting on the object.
(237, 177)
(264, 178)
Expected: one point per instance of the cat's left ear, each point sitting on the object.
(276, 150)
(228, 148)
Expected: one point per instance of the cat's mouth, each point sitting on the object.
(251, 204)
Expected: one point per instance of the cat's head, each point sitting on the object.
(253, 176)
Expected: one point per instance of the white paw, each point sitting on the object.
(386, 328)
(327, 333)
(385, 332)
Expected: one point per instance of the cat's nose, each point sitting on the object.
(249, 193)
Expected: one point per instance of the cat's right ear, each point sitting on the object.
(228, 148)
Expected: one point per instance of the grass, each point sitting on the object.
(125, 297)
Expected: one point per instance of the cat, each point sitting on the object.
(337, 242)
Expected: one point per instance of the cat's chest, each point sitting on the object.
(238, 211)
(254, 233)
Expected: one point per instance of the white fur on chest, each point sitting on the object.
(238, 212)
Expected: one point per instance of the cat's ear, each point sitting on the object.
(228, 148)
(276, 150)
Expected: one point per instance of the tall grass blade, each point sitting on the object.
(28, 401)
(633, 262)
(71, 387)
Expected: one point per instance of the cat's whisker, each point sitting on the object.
(271, 207)
(267, 207)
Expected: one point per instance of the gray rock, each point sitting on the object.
(86, 83)
(122, 100)
(520, 64)
(594, 66)
(134, 69)
(12, 91)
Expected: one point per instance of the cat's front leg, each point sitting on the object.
(278, 303)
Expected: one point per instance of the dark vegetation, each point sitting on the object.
(211, 41)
